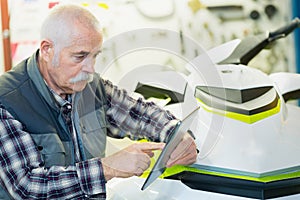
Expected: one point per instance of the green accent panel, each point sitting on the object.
(249, 119)
(179, 168)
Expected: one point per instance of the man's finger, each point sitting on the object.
(150, 146)
(149, 153)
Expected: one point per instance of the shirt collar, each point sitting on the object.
(59, 100)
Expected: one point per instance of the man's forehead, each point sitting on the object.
(86, 41)
(82, 45)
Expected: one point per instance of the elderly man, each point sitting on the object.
(56, 113)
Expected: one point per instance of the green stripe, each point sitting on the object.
(177, 169)
(180, 168)
(249, 119)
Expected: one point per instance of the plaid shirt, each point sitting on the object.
(22, 171)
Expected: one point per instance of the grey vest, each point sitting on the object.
(40, 116)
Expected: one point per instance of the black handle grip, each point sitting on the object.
(284, 31)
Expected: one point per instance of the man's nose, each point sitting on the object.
(88, 66)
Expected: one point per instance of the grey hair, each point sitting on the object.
(59, 26)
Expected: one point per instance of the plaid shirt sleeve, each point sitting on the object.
(136, 119)
(22, 173)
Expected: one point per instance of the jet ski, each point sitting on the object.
(246, 131)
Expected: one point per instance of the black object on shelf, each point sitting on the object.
(270, 11)
(254, 15)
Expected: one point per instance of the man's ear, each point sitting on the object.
(46, 50)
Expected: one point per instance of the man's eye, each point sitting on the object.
(81, 57)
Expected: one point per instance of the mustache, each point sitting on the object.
(83, 76)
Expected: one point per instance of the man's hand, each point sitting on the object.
(185, 153)
(131, 161)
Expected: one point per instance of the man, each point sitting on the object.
(56, 113)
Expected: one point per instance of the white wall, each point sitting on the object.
(202, 25)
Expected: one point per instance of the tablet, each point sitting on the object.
(173, 140)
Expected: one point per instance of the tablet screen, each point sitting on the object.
(173, 140)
